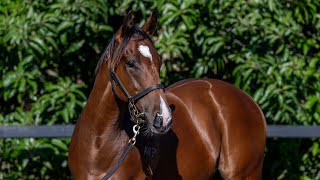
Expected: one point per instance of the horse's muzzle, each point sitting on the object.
(161, 124)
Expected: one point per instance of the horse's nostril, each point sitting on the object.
(158, 121)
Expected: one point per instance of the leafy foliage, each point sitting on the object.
(49, 50)
(44, 77)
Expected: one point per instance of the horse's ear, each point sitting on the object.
(128, 23)
(150, 26)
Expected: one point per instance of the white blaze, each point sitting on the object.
(145, 51)
(165, 112)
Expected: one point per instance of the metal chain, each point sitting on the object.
(135, 115)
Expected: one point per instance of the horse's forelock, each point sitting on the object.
(113, 55)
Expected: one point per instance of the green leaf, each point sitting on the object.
(65, 25)
(75, 47)
(60, 144)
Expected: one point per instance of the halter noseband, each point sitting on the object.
(135, 115)
(138, 96)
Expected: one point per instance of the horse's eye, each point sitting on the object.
(130, 64)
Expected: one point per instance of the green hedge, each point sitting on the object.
(49, 50)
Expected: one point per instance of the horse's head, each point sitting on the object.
(134, 72)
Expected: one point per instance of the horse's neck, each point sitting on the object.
(100, 121)
(101, 115)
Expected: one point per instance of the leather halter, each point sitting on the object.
(135, 116)
(138, 96)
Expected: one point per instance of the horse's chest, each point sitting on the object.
(184, 158)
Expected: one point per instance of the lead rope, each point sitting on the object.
(131, 143)
(136, 116)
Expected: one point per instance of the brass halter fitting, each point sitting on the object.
(135, 115)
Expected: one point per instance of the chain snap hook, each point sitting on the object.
(136, 131)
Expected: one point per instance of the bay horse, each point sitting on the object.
(193, 129)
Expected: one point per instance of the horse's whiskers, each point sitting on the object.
(146, 131)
